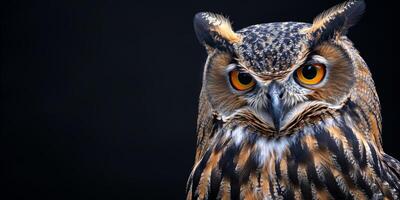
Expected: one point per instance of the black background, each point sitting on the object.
(99, 98)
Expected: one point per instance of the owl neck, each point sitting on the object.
(353, 129)
(356, 120)
(336, 151)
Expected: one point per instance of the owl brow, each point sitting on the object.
(304, 57)
(240, 64)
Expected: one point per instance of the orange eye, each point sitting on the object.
(241, 81)
(310, 74)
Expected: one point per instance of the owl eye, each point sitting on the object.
(241, 81)
(311, 74)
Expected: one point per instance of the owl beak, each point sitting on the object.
(274, 95)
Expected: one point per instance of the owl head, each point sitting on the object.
(278, 76)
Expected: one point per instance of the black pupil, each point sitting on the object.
(244, 78)
(309, 72)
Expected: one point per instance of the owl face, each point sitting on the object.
(280, 74)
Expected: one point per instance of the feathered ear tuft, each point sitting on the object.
(337, 20)
(214, 31)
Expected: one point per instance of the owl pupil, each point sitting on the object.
(309, 72)
(245, 78)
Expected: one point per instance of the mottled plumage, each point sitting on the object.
(275, 135)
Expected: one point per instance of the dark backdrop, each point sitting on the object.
(99, 98)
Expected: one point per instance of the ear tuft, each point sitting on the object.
(337, 20)
(214, 30)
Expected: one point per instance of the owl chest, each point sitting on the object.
(249, 166)
(238, 163)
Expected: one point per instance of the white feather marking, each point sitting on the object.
(266, 147)
(237, 136)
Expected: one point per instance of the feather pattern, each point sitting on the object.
(327, 144)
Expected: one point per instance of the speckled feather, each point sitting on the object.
(272, 47)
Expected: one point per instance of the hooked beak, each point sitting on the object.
(275, 104)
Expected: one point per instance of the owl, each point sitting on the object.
(289, 111)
